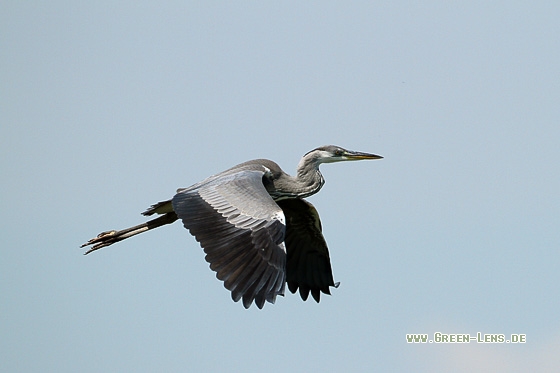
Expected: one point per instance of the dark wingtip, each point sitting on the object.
(303, 292)
(316, 294)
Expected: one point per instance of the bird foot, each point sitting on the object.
(100, 241)
(100, 237)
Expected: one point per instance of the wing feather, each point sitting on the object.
(308, 263)
(241, 230)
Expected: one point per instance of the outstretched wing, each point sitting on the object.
(308, 267)
(241, 230)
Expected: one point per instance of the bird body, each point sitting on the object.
(256, 229)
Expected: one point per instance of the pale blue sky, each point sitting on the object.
(107, 108)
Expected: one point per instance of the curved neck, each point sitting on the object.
(308, 181)
(309, 177)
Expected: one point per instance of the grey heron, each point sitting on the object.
(255, 227)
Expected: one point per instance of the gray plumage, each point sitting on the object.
(254, 226)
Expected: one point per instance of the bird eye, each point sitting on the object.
(338, 152)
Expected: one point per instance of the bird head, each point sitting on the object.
(333, 153)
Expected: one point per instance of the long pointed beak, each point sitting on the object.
(351, 155)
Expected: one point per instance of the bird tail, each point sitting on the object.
(162, 207)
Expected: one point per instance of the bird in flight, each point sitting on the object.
(256, 228)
